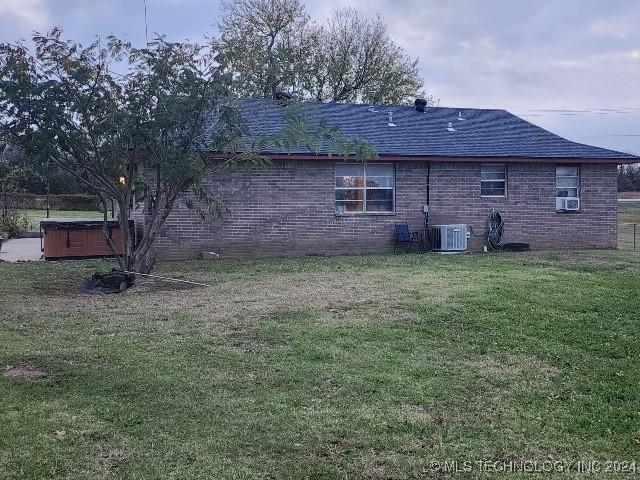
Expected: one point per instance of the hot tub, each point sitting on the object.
(79, 238)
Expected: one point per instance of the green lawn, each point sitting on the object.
(628, 214)
(353, 367)
(34, 216)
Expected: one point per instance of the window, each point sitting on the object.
(364, 188)
(567, 181)
(493, 180)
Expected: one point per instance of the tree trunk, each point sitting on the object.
(142, 257)
(107, 236)
(127, 238)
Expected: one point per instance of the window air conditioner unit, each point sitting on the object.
(568, 203)
(449, 238)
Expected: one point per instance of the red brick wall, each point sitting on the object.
(529, 209)
(288, 208)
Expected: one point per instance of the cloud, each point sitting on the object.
(30, 13)
(615, 26)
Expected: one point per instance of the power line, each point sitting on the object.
(548, 112)
(609, 135)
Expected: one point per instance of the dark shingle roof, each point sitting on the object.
(482, 133)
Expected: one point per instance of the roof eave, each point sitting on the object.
(455, 159)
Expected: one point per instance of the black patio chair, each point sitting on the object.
(403, 235)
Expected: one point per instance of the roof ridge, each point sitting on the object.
(382, 105)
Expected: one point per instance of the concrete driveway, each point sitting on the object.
(20, 249)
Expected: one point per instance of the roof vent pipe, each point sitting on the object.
(420, 104)
(391, 124)
(450, 127)
(371, 95)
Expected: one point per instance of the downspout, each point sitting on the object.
(426, 208)
(428, 190)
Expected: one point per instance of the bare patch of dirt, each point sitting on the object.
(146, 286)
(25, 371)
(371, 296)
(511, 367)
(112, 460)
(98, 436)
(422, 414)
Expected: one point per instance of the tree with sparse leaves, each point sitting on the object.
(629, 178)
(264, 45)
(356, 57)
(272, 45)
(102, 113)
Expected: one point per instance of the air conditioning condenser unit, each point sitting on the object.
(449, 238)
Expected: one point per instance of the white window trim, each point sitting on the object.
(577, 177)
(365, 188)
(505, 179)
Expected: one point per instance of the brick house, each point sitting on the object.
(463, 163)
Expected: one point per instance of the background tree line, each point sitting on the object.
(19, 174)
(629, 178)
(272, 45)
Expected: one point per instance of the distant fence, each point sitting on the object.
(56, 202)
(628, 236)
(629, 195)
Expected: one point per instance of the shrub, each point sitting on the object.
(13, 222)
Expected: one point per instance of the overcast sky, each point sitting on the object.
(571, 66)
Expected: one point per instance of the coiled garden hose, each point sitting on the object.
(495, 229)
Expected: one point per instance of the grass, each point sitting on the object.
(628, 213)
(34, 216)
(351, 367)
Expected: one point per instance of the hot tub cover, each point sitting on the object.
(76, 223)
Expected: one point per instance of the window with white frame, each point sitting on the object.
(567, 181)
(493, 180)
(364, 188)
